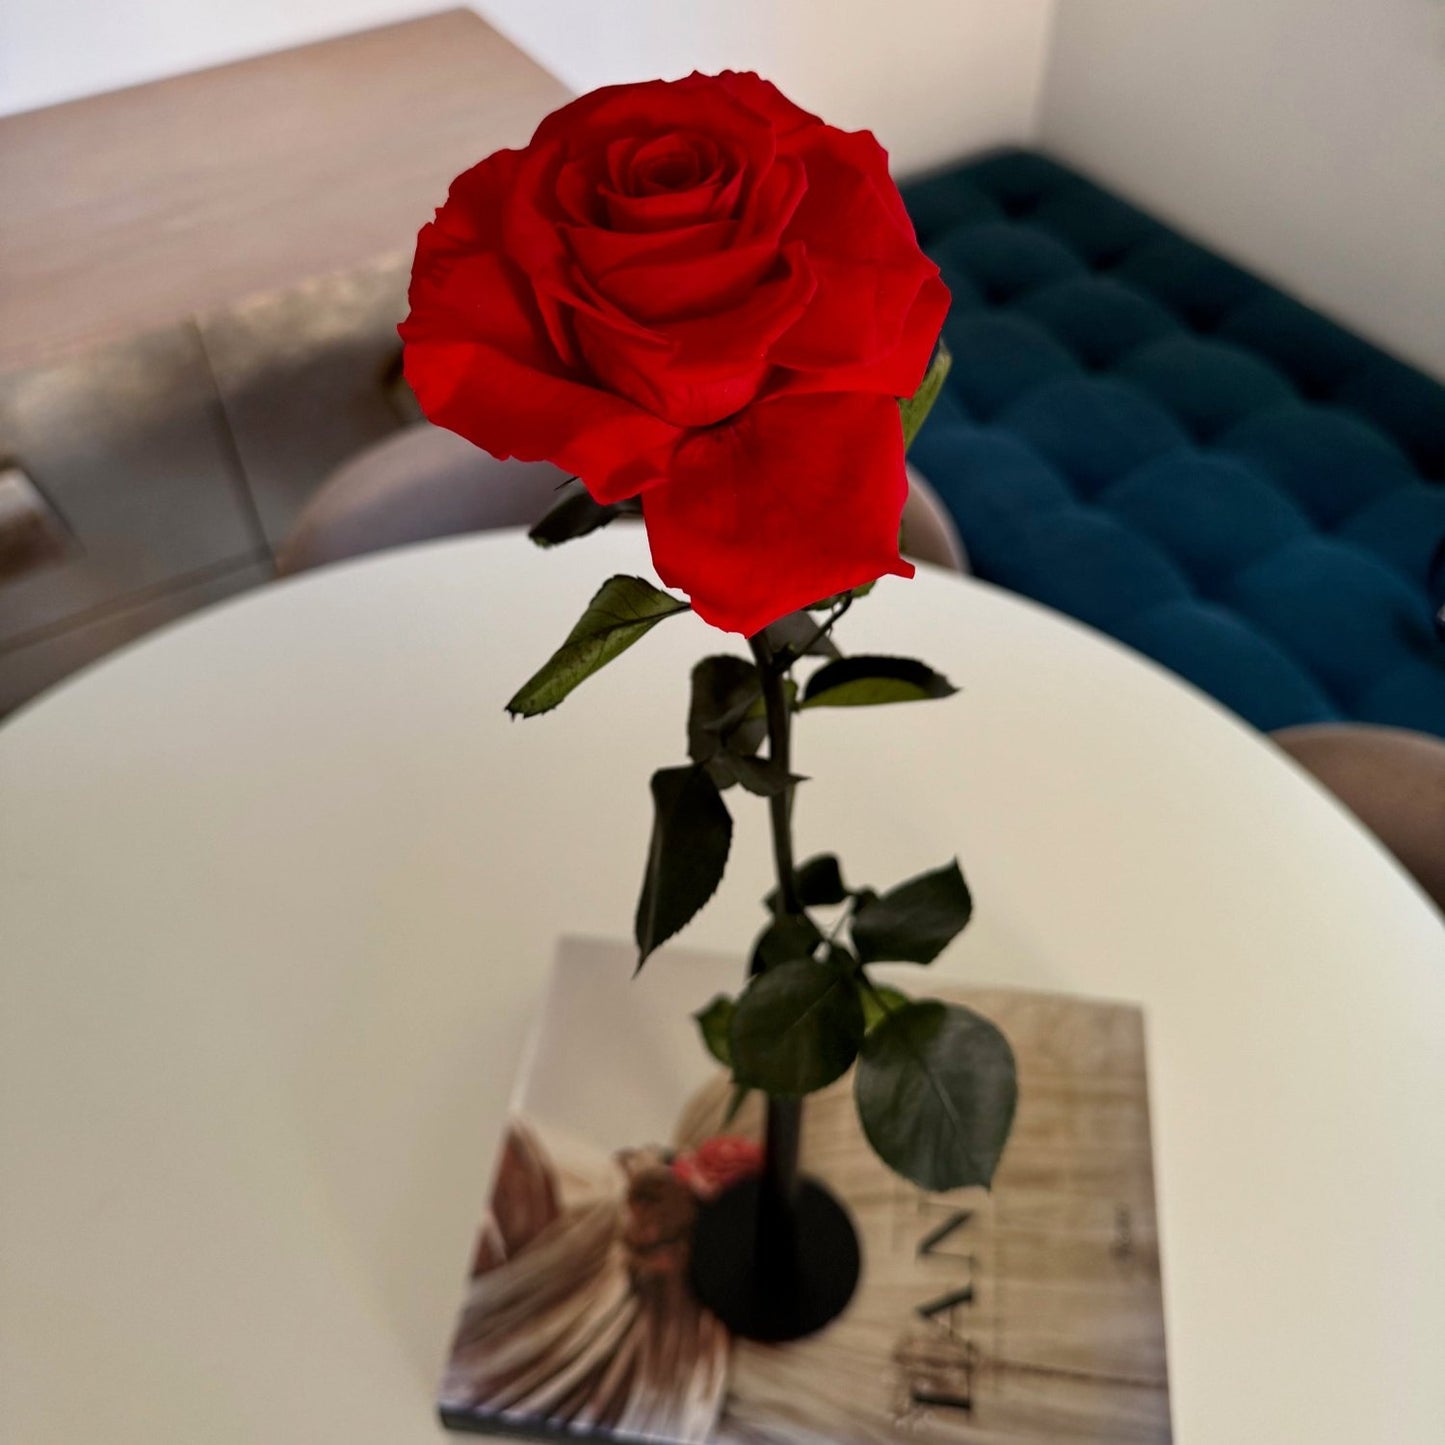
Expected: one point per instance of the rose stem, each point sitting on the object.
(776, 1240)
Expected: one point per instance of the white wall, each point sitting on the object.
(1305, 138)
(54, 50)
(933, 78)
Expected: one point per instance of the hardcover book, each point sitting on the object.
(1028, 1315)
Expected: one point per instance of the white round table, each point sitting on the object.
(279, 889)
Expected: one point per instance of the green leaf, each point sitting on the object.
(727, 721)
(797, 1027)
(691, 834)
(915, 408)
(790, 697)
(719, 715)
(865, 681)
(743, 722)
(714, 1023)
(787, 939)
(819, 882)
(574, 516)
(622, 611)
(936, 1090)
(797, 635)
(916, 921)
(758, 775)
(735, 1103)
(828, 603)
(879, 1002)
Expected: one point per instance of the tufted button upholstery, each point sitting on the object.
(1146, 436)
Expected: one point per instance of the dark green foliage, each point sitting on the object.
(868, 681)
(691, 834)
(936, 1090)
(624, 609)
(914, 922)
(797, 1027)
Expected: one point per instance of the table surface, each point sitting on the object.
(280, 887)
(139, 208)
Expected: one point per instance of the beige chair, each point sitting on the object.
(1392, 779)
(424, 482)
(929, 534)
(421, 483)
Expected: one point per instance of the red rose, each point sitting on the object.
(696, 292)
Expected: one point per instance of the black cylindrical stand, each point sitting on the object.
(778, 1186)
(776, 1257)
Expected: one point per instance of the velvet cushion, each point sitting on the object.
(1142, 434)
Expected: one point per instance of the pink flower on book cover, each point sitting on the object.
(718, 1162)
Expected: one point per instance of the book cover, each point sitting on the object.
(1028, 1315)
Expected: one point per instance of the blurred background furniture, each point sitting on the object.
(1392, 780)
(201, 286)
(424, 482)
(1147, 437)
(421, 483)
(147, 206)
(929, 534)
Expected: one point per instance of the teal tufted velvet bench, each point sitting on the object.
(1143, 435)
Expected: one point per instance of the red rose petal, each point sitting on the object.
(593, 122)
(578, 196)
(857, 316)
(658, 291)
(530, 235)
(793, 500)
(763, 97)
(637, 271)
(678, 161)
(471, 213)
(899, 373)
(481, 363)
(589, 113)
(870, 270)
(697, 370)
(666, 210)
(747, 331)
(769, 209)
(618, 450)
(600, 251)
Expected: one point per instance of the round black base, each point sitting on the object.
(806, 1285)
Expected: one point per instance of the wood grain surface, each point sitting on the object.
(136, 209)
(1031, 1315)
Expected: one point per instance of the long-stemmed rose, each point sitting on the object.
(697, 294)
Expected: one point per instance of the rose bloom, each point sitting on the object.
(697, 293)
(717, 1163)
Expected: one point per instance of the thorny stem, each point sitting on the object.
(776, 1244)
(780, 805)
(777, 662)
(776, 1241)
(824, 628)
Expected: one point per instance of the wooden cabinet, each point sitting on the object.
(201, 282)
